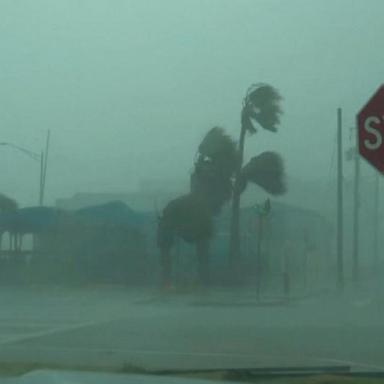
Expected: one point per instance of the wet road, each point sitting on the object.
(116, 327)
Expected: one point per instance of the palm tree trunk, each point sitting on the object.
(234, 245)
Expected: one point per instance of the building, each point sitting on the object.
(151, 196)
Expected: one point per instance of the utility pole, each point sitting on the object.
(41, 178)
(356, 216)
(340, 262)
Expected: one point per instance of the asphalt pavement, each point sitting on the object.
(120, 328)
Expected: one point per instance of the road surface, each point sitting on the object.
(115, 328)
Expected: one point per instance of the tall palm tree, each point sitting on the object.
(190, 216)
(261, 106)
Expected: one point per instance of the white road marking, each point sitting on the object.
(353, 363)
(52, 329)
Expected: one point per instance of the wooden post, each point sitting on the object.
(258, 254)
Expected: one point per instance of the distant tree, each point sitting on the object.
(7, 204)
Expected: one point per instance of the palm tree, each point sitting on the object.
(261, 105)
(190, 216)
(7, 204)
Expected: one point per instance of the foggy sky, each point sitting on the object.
(128, 88)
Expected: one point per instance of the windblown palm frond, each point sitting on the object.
(214, 169)
(261, 104)
(267, 171)
(218, 145)
(220, 149)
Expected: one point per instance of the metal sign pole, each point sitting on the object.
(356, 216)
(340, 266)
(376, 224)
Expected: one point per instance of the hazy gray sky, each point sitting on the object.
(128, 88)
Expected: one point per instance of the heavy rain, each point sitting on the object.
(191, 188)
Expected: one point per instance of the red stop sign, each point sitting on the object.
(370, 123)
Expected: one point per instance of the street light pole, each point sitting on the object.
(41, 193)
(41, 158)
(44, 161)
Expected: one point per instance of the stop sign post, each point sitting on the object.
(370, 124)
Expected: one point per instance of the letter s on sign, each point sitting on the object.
(374, 131)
